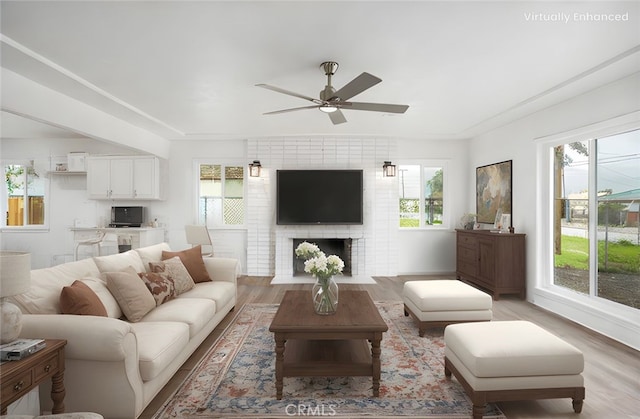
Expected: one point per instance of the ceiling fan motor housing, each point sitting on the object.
(329, 67)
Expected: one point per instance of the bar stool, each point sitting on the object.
(93, 241)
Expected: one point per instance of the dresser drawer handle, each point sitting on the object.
(47, 368)
(18, 386)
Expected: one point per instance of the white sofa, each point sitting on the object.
(115, 367)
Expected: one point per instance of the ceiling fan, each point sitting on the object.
(332, 101)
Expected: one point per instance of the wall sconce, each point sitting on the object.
(388, 169)
(254, 168)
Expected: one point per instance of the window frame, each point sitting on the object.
(223, 163)
(545, 219)
(4, 196)
(446, 212)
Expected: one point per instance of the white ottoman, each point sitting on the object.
(512, 360)
(440, 302)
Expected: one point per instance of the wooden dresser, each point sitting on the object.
(493, 261)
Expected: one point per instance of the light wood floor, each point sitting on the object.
(612, 370)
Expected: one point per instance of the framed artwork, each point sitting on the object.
(493, 192)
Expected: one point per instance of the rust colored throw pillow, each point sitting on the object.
(192, 260)
(160, 285)
(78, 298)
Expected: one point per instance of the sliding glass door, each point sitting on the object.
(596, 230)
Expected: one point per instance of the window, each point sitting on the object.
(421, 195)
(596, 235)
(23, 196)
(220, 195)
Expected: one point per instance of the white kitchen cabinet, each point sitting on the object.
(98, 177)
(122, 177)
(146, 180)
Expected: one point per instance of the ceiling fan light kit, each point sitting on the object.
(331, 101)
(328, 108)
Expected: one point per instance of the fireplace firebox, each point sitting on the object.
(338, 247)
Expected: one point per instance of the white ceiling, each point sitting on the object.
(188, 69)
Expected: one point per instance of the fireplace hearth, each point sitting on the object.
(338, 247)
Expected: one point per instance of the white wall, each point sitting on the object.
(180, 206)
(433, 251)
(515, 142)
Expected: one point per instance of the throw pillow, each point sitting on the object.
(192, 260)
(119, 261)
(160, 285)
(151, 253)
(132, 295)
(175, 270)
(99, 286)
(78, 298)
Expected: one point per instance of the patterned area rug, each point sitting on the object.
(235, 379)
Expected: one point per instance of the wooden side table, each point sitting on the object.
(20, 377)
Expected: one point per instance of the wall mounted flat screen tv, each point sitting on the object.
(319, 197)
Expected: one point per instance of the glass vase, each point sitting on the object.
(325, 296)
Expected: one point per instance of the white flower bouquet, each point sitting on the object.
(317, 263)
(323, 268)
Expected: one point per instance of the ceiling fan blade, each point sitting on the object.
(290, 110)
(287, 92)
(377, 107)
(357, 86)
(337, 117)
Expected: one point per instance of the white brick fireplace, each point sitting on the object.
(270, 246)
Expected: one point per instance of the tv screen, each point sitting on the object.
(319, 197)
(127, 216)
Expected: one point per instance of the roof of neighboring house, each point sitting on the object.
(630, 195)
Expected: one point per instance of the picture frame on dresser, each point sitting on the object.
(494, 191)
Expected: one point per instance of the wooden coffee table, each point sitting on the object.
(312, 345)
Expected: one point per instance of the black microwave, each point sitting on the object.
(127, 217)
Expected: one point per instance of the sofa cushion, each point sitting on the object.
(43, 296)
(79, 299)
(195, 312)
(159, 343)
(99, 286)
(176, 271)
(152, 254)
(160, 285)
(220, 292)
(119, 262)
(132, 295)
(192, 260)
